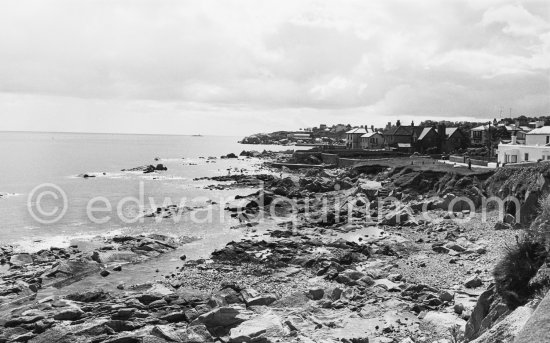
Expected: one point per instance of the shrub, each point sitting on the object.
(522, 260)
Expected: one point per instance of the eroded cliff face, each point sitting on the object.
(522, 275)
(527, 184)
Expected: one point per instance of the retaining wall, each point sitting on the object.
(457, 159)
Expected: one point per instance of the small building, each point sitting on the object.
(480, 135)
(372, 140)
(353, 138)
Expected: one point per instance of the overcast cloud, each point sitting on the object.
(238, 67)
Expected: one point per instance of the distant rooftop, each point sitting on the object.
(369, 134)
(545, 130)
(481, 128)
(358, 130)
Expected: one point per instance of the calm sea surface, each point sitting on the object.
(33, 159)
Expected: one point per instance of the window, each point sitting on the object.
(511, 158)
(547, 139)
(526, 157)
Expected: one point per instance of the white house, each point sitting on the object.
(372, 140)
(536, 148)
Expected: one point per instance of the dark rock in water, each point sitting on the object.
(148, 168)
(104, 273)
(251, 153)
(183, 257)
(230, 155)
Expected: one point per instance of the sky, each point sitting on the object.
(237, 67)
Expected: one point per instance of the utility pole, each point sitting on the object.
(490, 137)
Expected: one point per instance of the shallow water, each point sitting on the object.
(31, 159)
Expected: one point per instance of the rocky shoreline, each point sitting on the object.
(380, 272)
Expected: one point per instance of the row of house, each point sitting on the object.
(480, 135)
(408, 138)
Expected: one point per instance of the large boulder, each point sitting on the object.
(70, 314)
(507, 329)
(257, 329)
(488, 310)
(223, 317)
(21, 259)
(114, 256)
(397, 217)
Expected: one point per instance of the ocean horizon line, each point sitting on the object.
(119, 133)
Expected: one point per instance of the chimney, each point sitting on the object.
(372, 128)
(398, 123)
(514, 139)
(441, 132)
(412, 123)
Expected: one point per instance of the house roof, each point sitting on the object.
(449, 131)
(545, 130)
(481, 128)
(370, 134)
(358, 130)
(424, 133)
(404, 130)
